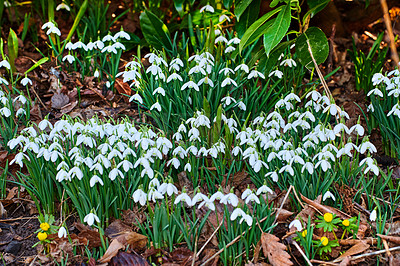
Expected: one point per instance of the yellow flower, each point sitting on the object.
(42, 236)
(328, 217)
(346, 222)
(44, 226)
(304, 233)
(324, 240)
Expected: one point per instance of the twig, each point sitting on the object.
(16, 219)
(195, 248)
(283, 203)
(324, 262)
(386, 247)
(209, 239)
(302, 253)
(369, 254)
(386, 18)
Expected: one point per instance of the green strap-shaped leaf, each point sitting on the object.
(278, 30)
(155, 31)
(319, 47)
(248, 17)
(240, 7)
(257, 29)
(179, 7)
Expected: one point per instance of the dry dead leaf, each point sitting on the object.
(356, 249)
(3, 212)
(112, 251)
(124, 258)
(345, 262)
(59, 100)
(122, 87)
(283, 215)
(274, 250)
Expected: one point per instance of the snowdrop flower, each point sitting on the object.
(183, 197)
(119, 45)
(79, 44)
(18, 159)
(328, 195)
(241, 106)
(109, 49)
(159, 90)
(168, 188)
(175, 162)
(206, 80)
(137, 98)
(333, 109)
(208, 203)
(358, 128)
(156, 106)
(123, 35)
(69, 57)
(378, 78)
(95, 179)
(252, 197)
(226, 71)
(229, 49)
(54, 30)
(90, 218)
(230, 199)
(176, 64)
(5, 64)
(238, 212)
(309, 167)
(191, 85)
(107, 38)
(207, 8)
(264, 189)
(21, 99)
(99, 44)
(255, 74)
(227, 101)
(242, 67)
(63, 6)
(234, 40)
(276, 73)
(198, 198)
(288, 62)
(48, 25)
(3, 81)
(228, 81)
(220, 39)
(375, 91)
(140, 196)
(25, 81)
(114, 173)
(217, 196)
(217, 32)
(62, 232)
(174, 76)
(372, 216)
(222, 18)
(297, 224)
(367, 146)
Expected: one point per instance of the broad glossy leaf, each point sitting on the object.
(240, 7)
(278, 29)
(319, 47)
(257, 29)
(248, 17)
(155, 31)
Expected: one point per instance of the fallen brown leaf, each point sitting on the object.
(124, 258)
(274, 250)
(345, 262)
(325, 209)
(112, 251)
(356, 249)
(122, 87)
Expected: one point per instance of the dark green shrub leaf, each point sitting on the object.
(319, 47)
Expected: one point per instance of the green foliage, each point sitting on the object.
(366, 66)
(155, 31)
(319, 47)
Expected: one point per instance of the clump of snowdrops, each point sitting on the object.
(385, 110)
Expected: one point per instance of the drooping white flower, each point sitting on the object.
(207, 8)
(372, 216)
(297, 224)
(230, 199)
(137, 98)
(95, 179)
(90, 218)
(62, 232)
(63, 6)
(183, 197)
(191, 85)
(69, 57)
(5, 64)
(276, 73)
(25, 81)
(123, 35)
(264, 189)
(156, 106)
(328, 195)
(140, 196)
(288, 62)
